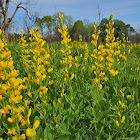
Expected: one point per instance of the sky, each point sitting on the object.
(126, 10)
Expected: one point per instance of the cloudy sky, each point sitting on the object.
(125, 10)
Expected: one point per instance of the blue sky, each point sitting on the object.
(125, 10)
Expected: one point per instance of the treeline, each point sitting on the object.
(48, 29)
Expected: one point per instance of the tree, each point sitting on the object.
(102, 28)
(129, 29)
(40, 22)
(4, 5)
(89, 28)
(120, 27)
(46, 22)
(78, 29)
(50, 24)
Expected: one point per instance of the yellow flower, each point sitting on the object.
(128, 52)
(117, 123)
(43, 77)
(30, 132)
(29, 113)
(95, 80)
(119, 114)
(59, 101)
(11, 120)
(37, 73)
(0, 97)
(102, 74)
(77, 65)
(29, 94)
(100, 87)
(113, 73)
(93, 67)
(44, 89)
(100, 58)
(72, 76)
(46, 63)
(37, 105)
(36, 124)
(5, 87)
(50, 70)
(128, 96)
(15, 138)
(119, 102)
(123, 118)
(123, 106)
(51, 82)
(12, 131)
(22, 137)
(105, 78)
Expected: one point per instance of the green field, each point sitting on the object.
(69, 90)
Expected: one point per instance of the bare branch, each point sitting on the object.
(14, 12)
(18, 6)
(7, 3)
(1, 7)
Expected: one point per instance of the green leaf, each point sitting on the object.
(5, 125)
(102, 114)
(91, 132)
(1, 132)
(54, 132)
(63, 128)
(64, 137)
(27, 97)
(9, 138)
(69, 101)
(39, 133)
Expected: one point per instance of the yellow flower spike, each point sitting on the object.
(117, 123)
(123, 118)
(36, 124)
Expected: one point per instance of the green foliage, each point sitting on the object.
(82, 117)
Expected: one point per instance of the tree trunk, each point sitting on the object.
(4, 11)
